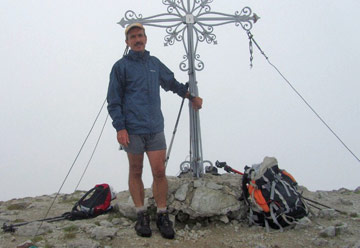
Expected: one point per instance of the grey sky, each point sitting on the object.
(57, 55)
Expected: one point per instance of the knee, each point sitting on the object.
(136, 170)
(158, 172)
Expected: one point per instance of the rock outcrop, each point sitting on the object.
(207, 213)
(211, 197)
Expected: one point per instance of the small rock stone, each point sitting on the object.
(212, 185)
(182, 217)
(346, 202)
(353, 215)
(198, 183)
(357, 190)
(342, 228)
(106, 223)
(319, 195)
(343, 191)
(329, 231)
(224, 219)
(116, 221)
(100, 233)
(125, 222)
(83, 243)
(181, 192)
(303, 223)
(327, 214)
(180, 233)
(197, 226)
(26, 244)
(320, 242)
(172, 218)
(235, 222)
(202, 233)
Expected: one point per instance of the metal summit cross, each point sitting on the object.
(192, 22)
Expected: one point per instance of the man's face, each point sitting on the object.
(136, 39)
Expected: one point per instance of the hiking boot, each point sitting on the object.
(142, 226)
(165, 225)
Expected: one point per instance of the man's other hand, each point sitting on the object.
(123, 137)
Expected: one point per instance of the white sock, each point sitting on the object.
(161, 210)
(140, 209)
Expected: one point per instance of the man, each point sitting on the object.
(134, 106)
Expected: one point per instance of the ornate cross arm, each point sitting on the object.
(156, 20)
(199, 16)
(238, 18)
(245, 18)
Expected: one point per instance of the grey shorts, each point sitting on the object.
(140, 143)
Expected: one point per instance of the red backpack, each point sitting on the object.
(97, 203)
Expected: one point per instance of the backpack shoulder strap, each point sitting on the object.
(245, 181)
(82, 198)
(75, 215)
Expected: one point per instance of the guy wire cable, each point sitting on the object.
(302, 98)
(125, 52)
(97, 142)
(51, 205)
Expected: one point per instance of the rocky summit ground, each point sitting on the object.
(323, 228)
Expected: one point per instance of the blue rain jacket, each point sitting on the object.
(134, 93)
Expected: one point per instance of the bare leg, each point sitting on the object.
(136, 185)
(160, 184)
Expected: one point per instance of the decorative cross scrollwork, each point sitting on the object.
(199, 13)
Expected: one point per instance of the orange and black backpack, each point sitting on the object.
(272, 195)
